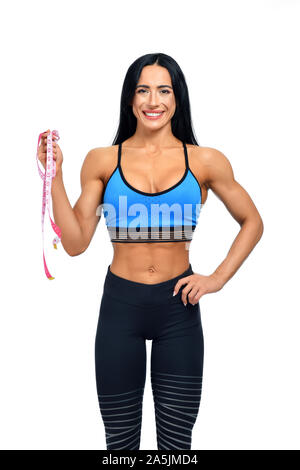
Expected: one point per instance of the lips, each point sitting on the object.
(152, 111)
(153, 118)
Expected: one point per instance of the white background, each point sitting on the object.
(63, 65)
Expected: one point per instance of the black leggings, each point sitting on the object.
(130, 313)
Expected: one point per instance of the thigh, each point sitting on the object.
(120, 349)
(179, 344)
(176, 376)
(120, 361)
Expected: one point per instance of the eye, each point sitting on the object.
(163, 91)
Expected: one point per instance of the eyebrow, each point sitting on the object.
(159, 86)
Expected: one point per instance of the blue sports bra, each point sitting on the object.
(136, 216)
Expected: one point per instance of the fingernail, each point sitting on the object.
(184, 304)
(174, 293)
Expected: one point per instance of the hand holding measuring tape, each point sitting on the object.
(49, 154)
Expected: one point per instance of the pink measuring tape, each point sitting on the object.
(50, 172)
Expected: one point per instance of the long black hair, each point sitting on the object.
(181, 122)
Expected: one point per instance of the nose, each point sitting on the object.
(153, 99)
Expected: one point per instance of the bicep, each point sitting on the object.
(86, 208)
(221, 180)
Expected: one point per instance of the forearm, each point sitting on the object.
(249, 235)
(65, 218)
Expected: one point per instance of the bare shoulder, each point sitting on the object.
(208, 156)
(100, 162)
(213, 163)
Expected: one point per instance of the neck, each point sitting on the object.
(153, 140)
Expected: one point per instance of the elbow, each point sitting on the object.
(75, 253)
(260, 226)
(260, 229)
(256, 224)
(72, 253)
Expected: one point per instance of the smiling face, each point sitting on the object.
(154, 94)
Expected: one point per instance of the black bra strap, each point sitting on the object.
(186, 156)
(119, 153)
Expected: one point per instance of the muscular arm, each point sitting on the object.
(78, 224)
(85, 208)
(220, 179)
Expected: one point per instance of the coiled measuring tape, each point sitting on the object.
(47, 176)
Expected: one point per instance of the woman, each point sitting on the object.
(150, 185)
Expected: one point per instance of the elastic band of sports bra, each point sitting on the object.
(47, 176)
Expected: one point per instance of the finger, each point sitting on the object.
(184, 294)
(44, 143)
(193, 295)
(198, 295)
(182, 281)
(45, 135)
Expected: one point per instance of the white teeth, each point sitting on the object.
(153, 114)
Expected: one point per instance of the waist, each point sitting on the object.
(140, 293)
(150, 262)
